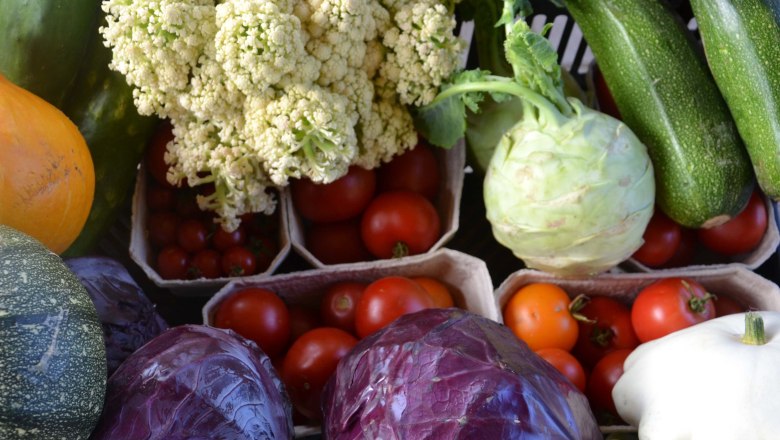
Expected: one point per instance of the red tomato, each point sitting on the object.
(439, 292)
(186, 203)
(386, 299)
(155, 153)
(539, 315)
(742, 233)
(399, 223)
(259, 315)
(192, 235)
(668, 305)
(567, 364)
(205, 264)
(603, 95)
(415, 170)
(223, 240)
(337, 308)
(310, 362)
(610, 330)
(725, 305)
(603, 378)
(662, 238)
(303, 319)
(337, 242)
(238, 261)
(264, 250)
(160, 198)
(341, 199)
(172, 263)
(685, 251)
(161, 227)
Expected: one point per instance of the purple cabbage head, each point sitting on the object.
(448, 373)
(128, 318)
(196, 382)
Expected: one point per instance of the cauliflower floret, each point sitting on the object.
(388, 132)
(156, 44)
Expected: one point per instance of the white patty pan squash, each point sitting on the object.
(715, 380)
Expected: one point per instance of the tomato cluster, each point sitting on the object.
(188, 244)
(306, 343)
(366, 214)
(588, 338)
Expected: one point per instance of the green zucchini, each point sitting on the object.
(742, 44)
(42, 43)
(666, 94)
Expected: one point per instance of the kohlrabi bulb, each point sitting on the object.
(572, 196)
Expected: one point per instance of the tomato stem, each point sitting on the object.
(577, 304)
(400, 249)
(601, 336)
(754, 329)
(698, 304)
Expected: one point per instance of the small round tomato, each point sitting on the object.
(742, 233)
(259, 315)
(539, 315)
(414, 170)
(161, 227)
(173, 262)
(608, 328)
(567, 364)
(264, 249)
(192, 235)
(661, 239)
(186, 204)
(337, 242)
(685, 252)
(725, 305)
(223, 240)
(337, 308)
(341, 199)
(160, 198)
(238, 261)
(399, 223)
(439, 291)
(385, 300)
(205, 264)
(668, 305)
(154, 158)
(310, 362)
(303, 319)
(603, 378)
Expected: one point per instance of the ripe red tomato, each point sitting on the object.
(161, 227)
(172, 263)
(662, 238)
(603, 378)
(337, 242)
(414, 170)
(337, 308)
(609, 330)
(259, 315)
(160, 198)
(603, 95)
(303, 319)
(192, 235)
(264, 249)
(205, 264)
(386, 299)
(155, 153)
(439, 292)
(186, 204)
(567, 364)
(686, 251)
(223, 240)
(725, 305)
(539, 315)
(399, 223)
(310, 362)
(668, 305)
(341, 199)
(238, 261)
(742, 233)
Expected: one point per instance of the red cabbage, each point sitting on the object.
(448, 373)
(196, 382)
(128, 318)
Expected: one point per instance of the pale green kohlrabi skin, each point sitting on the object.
(572, 196)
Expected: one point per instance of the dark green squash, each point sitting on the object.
(52, 360)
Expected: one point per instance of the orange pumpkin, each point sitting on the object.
(47, 180)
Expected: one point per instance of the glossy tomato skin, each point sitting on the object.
(309, 363)
(238, 261)
(223, 240)
(661, 240)
(337, 307)
(259, 315)
(173, 263)
(386, 299)
(567, 364)
(192, 235)
(303, 319)
(742, 233)
(668, 305)
(609, 330)
(439, 292)
(538, 314)
(341, 199)
(686, 250)
(205, 264)
(603, 378)
(154, 158)
(337, 242)
(414, 170)
(161, 228)
(399, 223)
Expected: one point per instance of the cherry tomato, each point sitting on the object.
(162, 227)
(155, 154)
(337, 308)
(205, 264)
(186, 203)
(610, 329)
(414, 170)
(260, 224)
(686, 251)
(172, 263)
(160, 198)
(668, 305)
(337, 242)
(567, 364)
(264, 250)
(223, 240)
(385, 300)
(310, 362)
(238, 261)
(742, 233)
(192, 235)
(303, 319)
(603, 378)
(662, 238)
(725, 305)
(259, 315)
(439, 292)
(399, 223)
(539, 315)
(603, 95)
(341, 199)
